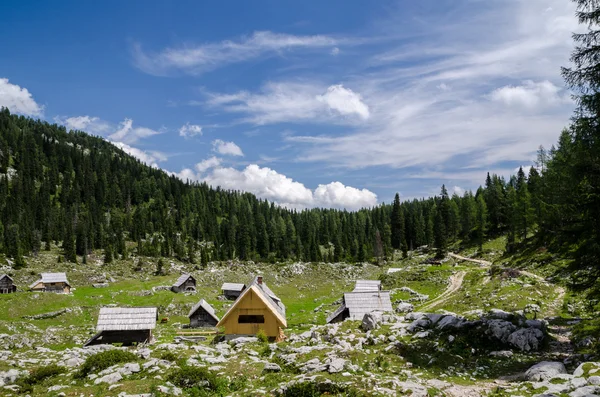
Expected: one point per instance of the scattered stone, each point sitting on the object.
(272, 367)
(370, 322)
(545, 370)
(526, 339)
(110, 378)
(405, 307)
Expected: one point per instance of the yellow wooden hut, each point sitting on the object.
(256, 308)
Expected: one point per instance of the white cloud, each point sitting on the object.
(196, 59)
(268, 184)
(226, 148)
(458, 190)
(207, 164)
(189, 130)
(18, 99)
(151, 158)
(294, 102)
(530, 95)
(127, 133)
(335, 51)
(89, 124)
(345, 101)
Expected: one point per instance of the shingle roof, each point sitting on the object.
(51, 278)
(367, 285)
(278, 304)
(336, 313)
(233, 287)
(6, 275)
(126, 318)
(394, 270)
(182, 279)
(361, 303)
(206, 306)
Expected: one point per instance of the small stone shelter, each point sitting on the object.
(52, 282)
(203, 315)
(185, 283)
(126, 325)
(7, 284)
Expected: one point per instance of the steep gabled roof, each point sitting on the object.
(361, 303)
(206, 306)
(182, 279)
(7, 276)
(126, 318)
(266, 295)
(336, 313)
(233, 287)
(367, 285)
(47, 278)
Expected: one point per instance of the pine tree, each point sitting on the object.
(482, 221)
(397, 225)
(69, 241)
(439, 234)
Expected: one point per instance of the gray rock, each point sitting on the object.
(272, 367)
(370, 322)
(500, 329)
(419, 325)
(594, 380)
(11, 376)
(580, 371)
(74, 362)
(111, 379)
(450, 322)
(501, 354)
(539, 324)
(499, 314)
(584, 391)
(405, 307)
(526, 339)
(434, 317)
(243, 340)
(336, 365)
(545, 370)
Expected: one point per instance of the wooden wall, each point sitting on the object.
(251, 304)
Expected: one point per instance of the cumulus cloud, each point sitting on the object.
(529, 95)
(226, 148)
(151, 158)
(197, 59)
(18, 99)
(268, 184)
(189, 130)
(294, 102)
(89, 124)
(129, 134)
(345, 101)
(458, 190)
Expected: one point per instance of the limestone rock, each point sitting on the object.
(110, 378)
(526, 339)
(545, 370)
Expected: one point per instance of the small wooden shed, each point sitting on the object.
(7, 284)
(185, 283)
(52, 282)
(367, 285)
(203, 315)
(126, 325)
(256, 308)
(232, 290)
(356, 304)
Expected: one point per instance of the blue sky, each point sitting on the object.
(336, 104)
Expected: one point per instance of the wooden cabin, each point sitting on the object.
(232, 291)
(356, 304)
(185, 283)
(126, 325)
(52, 282)
(367, 286)
(7, 284)
(203, 315)
(256, 308)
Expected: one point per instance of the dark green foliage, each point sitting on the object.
(317, 389)
(103, 360)
(38, 376)
(198, 381)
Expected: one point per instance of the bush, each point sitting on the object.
(199, 381)
(37, 376)
(314, 389)
(168, 356)
(262, 336)
(103, 360)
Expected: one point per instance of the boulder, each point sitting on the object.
(594, 380)
(584, 368)
(501, 354)
(243, 340)
(499, 314)
(500, 329)
(526, 339)
(434, 317)
(405, 307)
(450, 322)
(419, 325)
(336, 365)
(111, 379)
(545, 370)
(584, 391)
(370, 322)
(11, 376)
(271, 367)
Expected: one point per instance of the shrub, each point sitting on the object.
(168, 356)
(37, 376)
(103, 360)
(197, 378)
(262, 336)
(266, 351)
(238, 383)
(313, 389)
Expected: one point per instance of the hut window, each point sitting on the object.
(251, 319)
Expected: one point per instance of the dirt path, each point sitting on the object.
(455, 283)
(464, 258)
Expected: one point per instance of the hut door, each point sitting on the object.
(255, 328)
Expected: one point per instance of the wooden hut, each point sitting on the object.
(232, 290)
(126, 325)
(356, 304)
(7, 284)
(367, 286)
(256, 308)
(185, 283)
(203, 315)
(52, 282)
